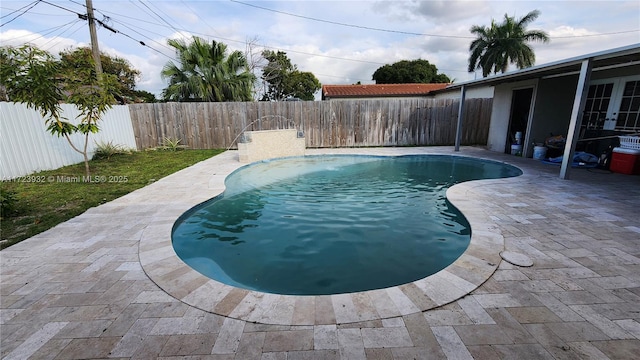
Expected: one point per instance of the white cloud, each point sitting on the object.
(569, 31)
(52, 44)
(233, 23)
(444, 12)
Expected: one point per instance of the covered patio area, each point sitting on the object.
(586, 100)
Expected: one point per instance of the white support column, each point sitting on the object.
(463, 94)
(576, 117)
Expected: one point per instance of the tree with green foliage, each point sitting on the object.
(409, 72)
(498, 45)
(285, 80)
(143, 96)
(33, 77)
(125, 74)
(206, 73)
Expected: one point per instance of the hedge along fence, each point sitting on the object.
(343, 123)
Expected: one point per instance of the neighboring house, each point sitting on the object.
(377, 91)
(584, 98)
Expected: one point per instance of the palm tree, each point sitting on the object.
(498, 45)
(206, 73)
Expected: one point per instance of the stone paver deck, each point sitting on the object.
(107, 283)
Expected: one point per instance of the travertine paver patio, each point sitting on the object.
(94, 287)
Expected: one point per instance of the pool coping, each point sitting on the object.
(162, 265)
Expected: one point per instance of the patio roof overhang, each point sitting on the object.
(583, 66)
(618, 57)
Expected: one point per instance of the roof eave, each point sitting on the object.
(541, 69)
(373, 96)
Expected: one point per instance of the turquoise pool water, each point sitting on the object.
(319, 225)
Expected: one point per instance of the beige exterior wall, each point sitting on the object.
(270, 144)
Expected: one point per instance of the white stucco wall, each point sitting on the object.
(501, 112)
(484, 92)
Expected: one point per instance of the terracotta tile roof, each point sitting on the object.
(378, 90)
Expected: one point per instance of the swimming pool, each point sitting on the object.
(321, 225)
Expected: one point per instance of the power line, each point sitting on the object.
(60, 40)
(159, 17)
(129, 26)
(130, 17)
(198, 16)
(306, 53)
(351, 25)
(102, 23)
(238, 41)
(36, 13)
(232, 40)
(262, 45)
(408, 32)
(50, 30)
(15, 11)
(160, 10)
(132, 38)
(79, 3)
(59, 7)
(22, 13)
(143, 44)
(104, 17)
(592, 35)
(244, 42)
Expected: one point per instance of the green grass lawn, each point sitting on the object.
(45, 199)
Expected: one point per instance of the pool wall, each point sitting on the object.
(469, 271)
(270, 144)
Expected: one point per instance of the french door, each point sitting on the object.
(629, 108)
(613, 104)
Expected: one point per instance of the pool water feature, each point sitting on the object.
(319, 225)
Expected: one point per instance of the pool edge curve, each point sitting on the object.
(474, 267)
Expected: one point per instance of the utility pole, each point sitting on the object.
(94, 39)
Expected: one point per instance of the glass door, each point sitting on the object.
(613, 104)
(596, 114)
(628, 116)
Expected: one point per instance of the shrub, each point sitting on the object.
(7, 202)
(107, 150)
(171, 144)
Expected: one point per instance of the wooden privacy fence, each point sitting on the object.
(344, 123)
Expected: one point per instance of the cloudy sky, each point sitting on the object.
(341, 42)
